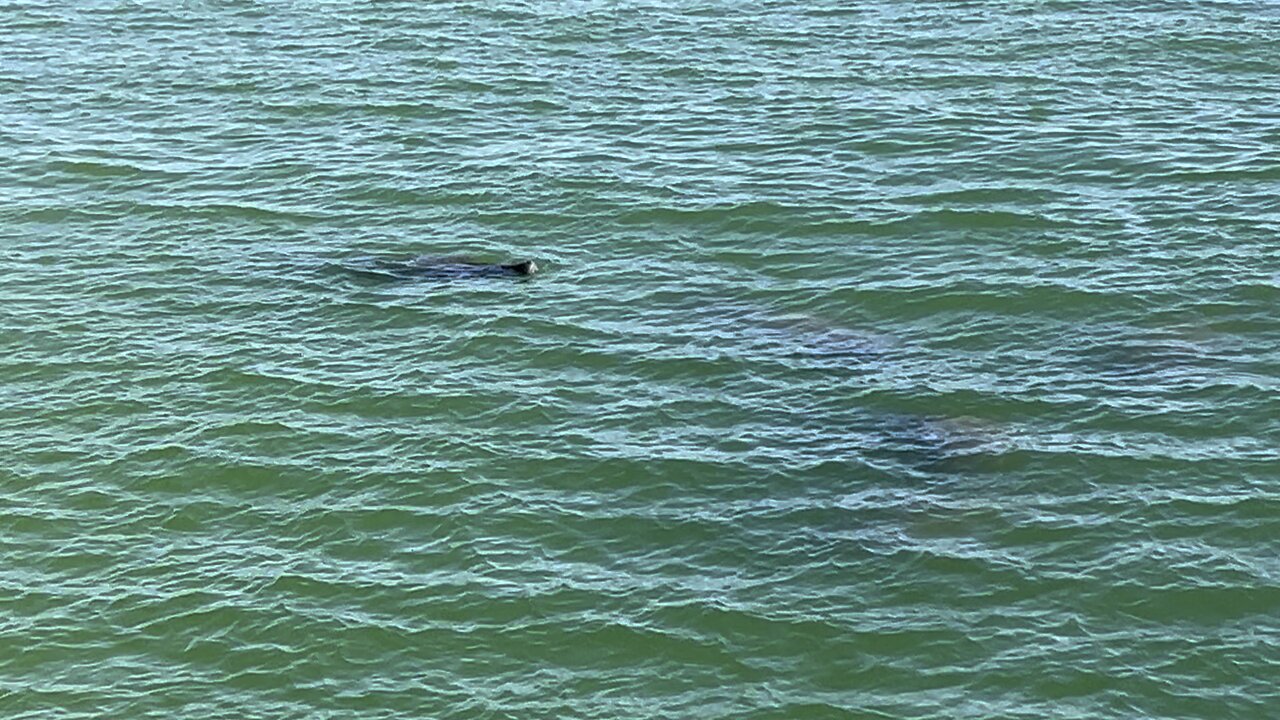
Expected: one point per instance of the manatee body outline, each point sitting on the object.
(442, 267)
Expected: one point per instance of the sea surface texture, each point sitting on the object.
(888, 359)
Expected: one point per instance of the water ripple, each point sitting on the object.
(898, 360)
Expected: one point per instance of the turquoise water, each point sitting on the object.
(889, 360)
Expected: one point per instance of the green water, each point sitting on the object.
(890, 360)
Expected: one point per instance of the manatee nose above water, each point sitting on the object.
(524, 267)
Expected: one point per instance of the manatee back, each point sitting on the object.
(442, 267)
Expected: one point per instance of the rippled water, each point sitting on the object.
(890, 359)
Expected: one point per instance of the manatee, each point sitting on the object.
(758, 328)
(442, 267)
(935, 444)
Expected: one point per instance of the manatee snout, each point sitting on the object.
(524, 267)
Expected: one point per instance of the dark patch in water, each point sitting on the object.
(437, 267)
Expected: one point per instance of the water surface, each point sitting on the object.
(890, 359)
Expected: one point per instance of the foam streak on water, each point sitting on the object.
(889, 359)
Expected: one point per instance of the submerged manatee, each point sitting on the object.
(854, 361)
(935, 443)
(813, 336)
(437, 267)
(764, 329)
